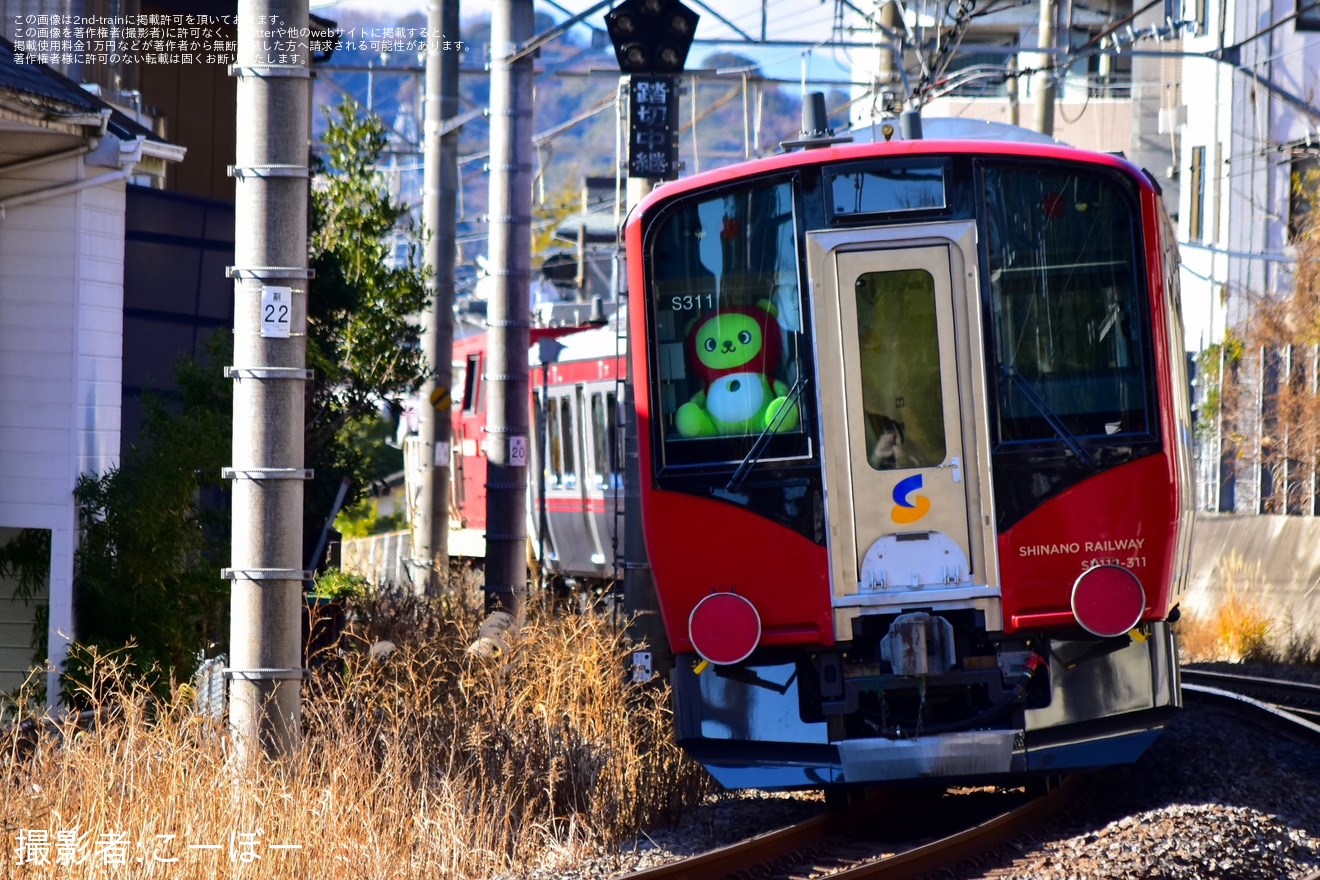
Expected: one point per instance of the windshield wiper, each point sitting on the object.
(754, 454)
(1051, 417)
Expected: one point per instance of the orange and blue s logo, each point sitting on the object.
(908, 506)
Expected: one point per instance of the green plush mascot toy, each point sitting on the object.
(736, 353)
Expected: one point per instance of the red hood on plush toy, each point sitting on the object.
(731, 354)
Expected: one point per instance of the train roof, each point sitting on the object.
(589, 344)
(579, 343)
(992, 139)
(953, 128)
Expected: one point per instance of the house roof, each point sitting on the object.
(41, 88)
(599, 226)
(48, 93)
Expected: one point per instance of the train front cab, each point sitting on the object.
(991, 495)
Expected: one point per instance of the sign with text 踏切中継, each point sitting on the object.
(653, 127)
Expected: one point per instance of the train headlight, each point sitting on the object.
(1108, 600)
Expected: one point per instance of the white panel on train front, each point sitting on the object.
(901, 392)
(913, 561)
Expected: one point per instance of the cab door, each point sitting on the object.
(902, 414)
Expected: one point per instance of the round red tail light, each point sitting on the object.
(1108, 600)
(724, 628)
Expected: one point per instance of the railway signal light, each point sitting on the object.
(651, 36)
(651, 41)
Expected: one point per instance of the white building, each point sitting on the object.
(65, 160)
(1220, 102)
(1251, 121)
(987, 76)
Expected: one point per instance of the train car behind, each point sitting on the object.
(574, 506)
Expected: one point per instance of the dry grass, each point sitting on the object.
(429, 763)
(1238, 627)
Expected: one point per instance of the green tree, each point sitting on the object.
(146, 571)
(361, 343)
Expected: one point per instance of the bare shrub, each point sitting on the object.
(423, 761)
(1237, 628)
(1267, 402)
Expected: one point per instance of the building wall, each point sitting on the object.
(176, 294)
(176, 93)
(1103, 124)
(1244, 131)
(1157, 108)
(1275, 558)
(61, 346)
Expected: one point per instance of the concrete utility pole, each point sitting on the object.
(1043, 82)
(1011, 84)
(512, 24)
(270, 346)
(439, 201)
(890, 58)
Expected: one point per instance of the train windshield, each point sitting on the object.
(726, 303)
(1066, 305)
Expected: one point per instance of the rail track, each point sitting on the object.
(839, 845)
(1294, 705)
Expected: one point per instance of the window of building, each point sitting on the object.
(1308, 15)
(1196, 214)
(1303, 189)
(1199, 12)
(471, 382)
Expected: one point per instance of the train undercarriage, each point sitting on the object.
(1004, 705)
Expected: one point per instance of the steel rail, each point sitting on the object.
(738, 858)
(21, 739)
(948, 851)
(762, 848)
(1288, 722)
(1254, 685)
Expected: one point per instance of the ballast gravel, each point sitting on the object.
(1215, 797)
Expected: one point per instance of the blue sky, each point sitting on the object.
(806, 20)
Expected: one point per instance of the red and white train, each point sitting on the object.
(914, 437)
(574, 509)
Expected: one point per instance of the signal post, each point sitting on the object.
(651, 41)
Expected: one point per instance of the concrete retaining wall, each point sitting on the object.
(1286, 548)
(382, 559)
(1287, 551)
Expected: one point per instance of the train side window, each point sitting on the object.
(725, 300)
(1070, 327)
(605, 440)
(471, 383)
(554, 465)
(599, 441)
(459, 384)
(614, 415)
(902, 393)
(567, 467)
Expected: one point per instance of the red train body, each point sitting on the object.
(576, 451)
(938, 528)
